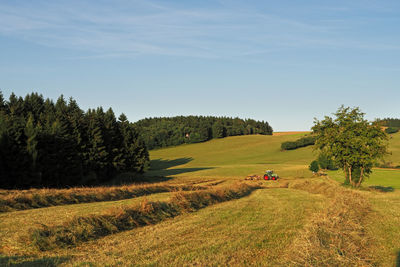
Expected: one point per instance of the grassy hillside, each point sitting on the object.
(299, 219)
(394, 149)
(232, 158)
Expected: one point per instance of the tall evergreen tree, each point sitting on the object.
(47, 144)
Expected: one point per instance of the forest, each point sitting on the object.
(164, 132)
(56, 144)
(390, 122)
(47, 144)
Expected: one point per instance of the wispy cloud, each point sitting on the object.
(130, 28)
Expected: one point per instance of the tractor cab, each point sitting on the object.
(270, 175)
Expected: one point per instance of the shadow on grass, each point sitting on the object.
(22, 261)
(380, 188)
(162, 167)
(159, 172)
(163, 164)
(398, 259)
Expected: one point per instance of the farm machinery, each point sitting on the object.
(269, 175)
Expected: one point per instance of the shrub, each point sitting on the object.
(302, 142)
(391, 130)
(314, 166)
(326, 162)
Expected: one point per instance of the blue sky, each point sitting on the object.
(285, 62)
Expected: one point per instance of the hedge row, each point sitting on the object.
(302, 142)
(392, 130)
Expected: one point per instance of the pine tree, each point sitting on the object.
(31, 142)
(96, 154)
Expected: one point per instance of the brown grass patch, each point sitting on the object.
(337, 235)
(38, 198)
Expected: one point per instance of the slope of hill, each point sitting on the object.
(274, 225)
(232, 158)
(394, 149)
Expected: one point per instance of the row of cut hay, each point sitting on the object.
(85, 228)
(336, 236)
(39, 198)
(328, 188)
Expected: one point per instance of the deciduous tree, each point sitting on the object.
(351, 141)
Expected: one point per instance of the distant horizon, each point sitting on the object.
(281, 62)
(6, 97)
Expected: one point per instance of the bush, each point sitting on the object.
(391, 130)
(302, 142)
(326, 162)
(314, 166)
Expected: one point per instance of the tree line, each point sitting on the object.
(43, 143)
(393, 125)
(301, 142)
(164, 132)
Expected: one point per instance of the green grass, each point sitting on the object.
(379, 177)
(385, 227)
(394, 149)
(232, 158)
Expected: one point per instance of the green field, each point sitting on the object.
(259, 229)
(232, 158)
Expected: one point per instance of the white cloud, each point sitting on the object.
(132, 28)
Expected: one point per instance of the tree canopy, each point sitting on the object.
(164, 132)
(352, 142)
(43, 143)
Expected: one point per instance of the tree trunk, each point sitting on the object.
(350, 178)
(361, 177)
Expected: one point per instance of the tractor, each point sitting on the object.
(270, 175)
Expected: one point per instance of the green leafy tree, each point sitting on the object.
(352, 142)
(326, 162)
(218, 130)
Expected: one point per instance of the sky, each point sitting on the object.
(285, 62)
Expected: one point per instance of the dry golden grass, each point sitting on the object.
(251, 231)
(85, 228)
(337, 235)
(38, 198)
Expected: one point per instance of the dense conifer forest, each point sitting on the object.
(43, 143)
(164, 132)
(56, 144)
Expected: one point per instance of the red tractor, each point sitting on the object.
(270, 175)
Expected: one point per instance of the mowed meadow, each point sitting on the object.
(202, 212)
(232, 158)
